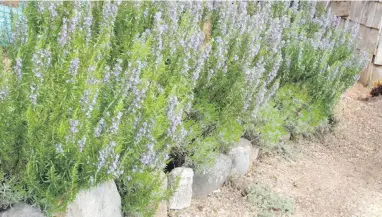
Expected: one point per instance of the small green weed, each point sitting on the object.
(9, 194)
(270, 203)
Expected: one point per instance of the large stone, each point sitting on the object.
(22, 210)
(240, 161)
(181, 179)
(162, 208)
(211, 179)
(252, 150)
(99, 201)
(243, 155)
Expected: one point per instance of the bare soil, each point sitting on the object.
(337, 174)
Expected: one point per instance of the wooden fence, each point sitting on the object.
(368, 14)
(9, 3)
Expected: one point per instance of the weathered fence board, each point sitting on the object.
(9, 3)
(378, 55)
(356, 10)
(368, 39)
(340, 8)
(367, 14)
(373, 15)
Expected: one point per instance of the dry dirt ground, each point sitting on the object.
(339, 174)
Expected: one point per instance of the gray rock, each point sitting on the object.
(22, 210)
(99, 201)
(210, 179)
(252, 150)
(181, 178)
(162, 208)
(240, 161)
(165, 181)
